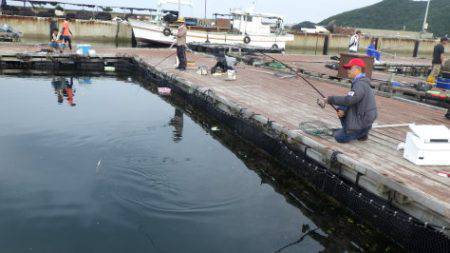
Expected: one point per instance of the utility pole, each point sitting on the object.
(425, 22)
(205, 9)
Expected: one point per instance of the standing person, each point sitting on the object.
(354, 42)
(438, 60)
(53, 26)
(181, 44)
(66, 33)
(2, 6)
(358, 110)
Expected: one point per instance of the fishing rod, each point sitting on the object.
(172, 54)
(171, 46)
(163, 60)
(302, 77)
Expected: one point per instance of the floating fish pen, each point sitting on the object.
(409, 232)
(401, 81)
(410, 69)
(380, 202)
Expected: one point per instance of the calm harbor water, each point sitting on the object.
(104, 165)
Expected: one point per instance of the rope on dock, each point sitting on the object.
(316, 128)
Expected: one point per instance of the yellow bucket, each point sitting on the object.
(431, 80)
(190, 64)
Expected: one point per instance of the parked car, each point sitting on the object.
(7, 33)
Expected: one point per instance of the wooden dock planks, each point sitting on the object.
(290, 102)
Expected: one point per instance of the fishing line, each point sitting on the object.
(303, 78)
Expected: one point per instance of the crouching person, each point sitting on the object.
(224, 63)
(358, 110)
(56, 43)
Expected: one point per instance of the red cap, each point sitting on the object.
(355, 62)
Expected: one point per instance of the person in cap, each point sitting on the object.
(354, 42)
(357, 110)
(438, 60)
(181, 44)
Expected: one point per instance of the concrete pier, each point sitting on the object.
(314, 44)
(38, 28)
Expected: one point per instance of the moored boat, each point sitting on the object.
(244, 27)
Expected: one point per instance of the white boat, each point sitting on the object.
(241, 27)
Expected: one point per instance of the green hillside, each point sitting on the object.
(398, 15)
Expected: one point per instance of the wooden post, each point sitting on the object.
(117, 33)
(416, 48)
(326, 44)
(133, 39)
(317, 42)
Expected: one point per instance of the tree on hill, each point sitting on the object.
(398, 15)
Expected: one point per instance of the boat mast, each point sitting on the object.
(425, 22)
(205, 9)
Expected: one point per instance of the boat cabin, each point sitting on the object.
(252, 23)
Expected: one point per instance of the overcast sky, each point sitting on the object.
(293, 10)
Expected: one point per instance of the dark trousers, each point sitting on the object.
(343, 135)
(67, 39)
(220, 65)
(181, 53)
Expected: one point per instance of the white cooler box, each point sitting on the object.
(428, 145)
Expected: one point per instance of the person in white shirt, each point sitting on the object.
(354, 42)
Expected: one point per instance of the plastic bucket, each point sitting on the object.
(396, 84)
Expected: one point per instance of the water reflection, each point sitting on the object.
(177, 123)
(64, 89)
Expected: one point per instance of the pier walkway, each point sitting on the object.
(289, 102)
